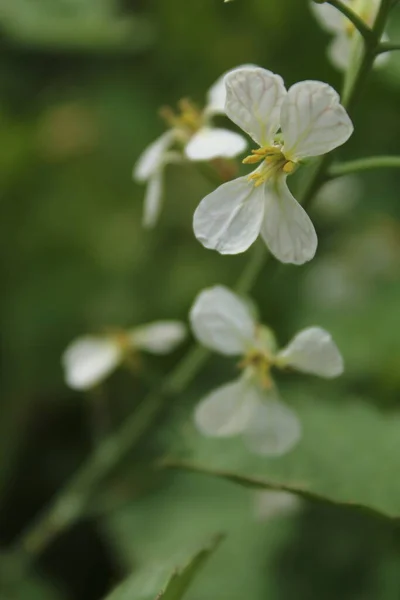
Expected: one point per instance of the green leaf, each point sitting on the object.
(154, 583)
(258, 483)
(169, 521)
(347, 456)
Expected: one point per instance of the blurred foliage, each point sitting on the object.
(147, 584)
(81, 83)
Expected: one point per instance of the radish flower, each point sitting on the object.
(289, 127)
(192, 132)
(90, 359)
(250, 405)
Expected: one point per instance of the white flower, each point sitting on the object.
(345, 34)
(192, 131)
(250, 405)
(90, 359)
(312, 122)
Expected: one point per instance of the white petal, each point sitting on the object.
(329, 17)
(216, 96)
(229, 219)
(209, 143)
(313, 121)
(383, 58)
(253, 101)
(153, 198)
(159, 337)
(287, 229)
(339, 51)
(152, 158)
(313, 351)
(274, 428)
(222, 321)
(88, 360)
(227, 410)
(275, 503)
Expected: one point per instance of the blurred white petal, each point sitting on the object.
(313, 121)
(287, 229)
(229, 219)
(159, 337)
(338, 197)
(222, 321)
(254, 98)
(383, 58)
(313, 351)
(216, 96)
(339, 51)
(274, 503)
(153, 157)
(153, 198)
(227, 410)
(329, 17)
(89, 360)
(209, 143)
(274, 428)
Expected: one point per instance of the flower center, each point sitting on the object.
(129, 354)
(273, 162)
(259, 364)
(188, 119)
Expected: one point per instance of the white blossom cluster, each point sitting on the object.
(287, 127)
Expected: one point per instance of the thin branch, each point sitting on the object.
(387, 47)
(358, 23)
(364, 164)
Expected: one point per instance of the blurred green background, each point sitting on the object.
(81, 82)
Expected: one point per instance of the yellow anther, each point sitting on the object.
(274, 162)
(288, 167)
(252, 159)
(260, 363)
(121, 339)
(168, 115)
(189, 116)
(258, 178)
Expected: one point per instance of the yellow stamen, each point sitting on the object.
(252, 159)
(168, 115)
(288, 167)
(189, 116)
(274, 163)
(260, 363)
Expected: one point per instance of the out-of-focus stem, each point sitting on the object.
(358, 23)
(364, 164)
(387, 47)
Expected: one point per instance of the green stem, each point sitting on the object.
(387, 47)
(248, 277)
(71, 502)
(352, 91)
(358, 23)
(364, 164)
